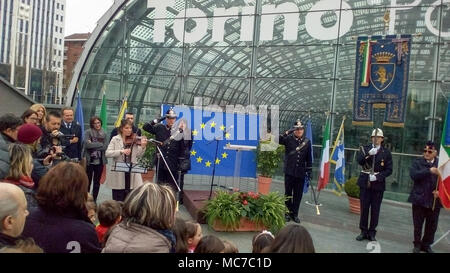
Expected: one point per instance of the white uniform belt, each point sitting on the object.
(369, 172)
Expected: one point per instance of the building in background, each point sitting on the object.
(32, 47)
(73, 47)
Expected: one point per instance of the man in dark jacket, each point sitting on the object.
(71, 127)
(13, 212)
(129, 116)
(172, 147)
(297, 165)
(372, 183)
(9, 124)
(425, 207)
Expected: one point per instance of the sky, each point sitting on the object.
(82, 15)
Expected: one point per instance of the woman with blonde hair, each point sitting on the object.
(124, 148)
(148, 219)
(20, 171)
(41, 113)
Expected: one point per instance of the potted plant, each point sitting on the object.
(239, 211)
(267, 163)
(352, 190)
(148, 158)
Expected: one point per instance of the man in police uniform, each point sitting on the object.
(372, 183)
(297, 165)
(171, 147)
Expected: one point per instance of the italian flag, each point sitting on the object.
(444, 163)
(366, 63)
(325, 162)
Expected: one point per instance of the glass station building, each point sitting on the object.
(297, 54)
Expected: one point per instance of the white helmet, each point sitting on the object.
(378, 131)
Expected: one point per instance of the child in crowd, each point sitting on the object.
(91, 207)
(261, 241)
(230, 247)
(193, 235)
(179, 229)
(210, 244)
(109, 214)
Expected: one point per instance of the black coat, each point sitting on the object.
(72, 150)
(58, 233)
(172, 150)
(424, 183)
(296, 162)
(383, 166)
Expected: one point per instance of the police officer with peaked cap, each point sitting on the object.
(297, 165)
(372, 183)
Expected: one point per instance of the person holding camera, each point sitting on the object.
(69, 127)
(172, 147)
(94, 147)
(125, 147)
(53, 140)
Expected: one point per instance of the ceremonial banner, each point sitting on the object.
(381, 79)
(444, 163)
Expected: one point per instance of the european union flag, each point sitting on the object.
(79, 117)
(215, 128)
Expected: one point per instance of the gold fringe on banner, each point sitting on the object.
(392, 124)
(362, 123)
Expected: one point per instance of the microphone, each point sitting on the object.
(228, 130)
(177, 132)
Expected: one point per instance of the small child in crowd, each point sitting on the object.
(179, 229)
(210, 244)
(230, 247)
(261, 241)
(109, 214)
(193, 235)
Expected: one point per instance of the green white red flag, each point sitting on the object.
(444, 163)
(324, 175)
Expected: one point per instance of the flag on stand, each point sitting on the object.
(79, 115)
(444, 163)
(103, 113)
(324, 175)
(121, 115)
(310, 137)
(338, 158)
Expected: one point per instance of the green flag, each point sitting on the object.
(103, 112)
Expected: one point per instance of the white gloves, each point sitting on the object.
(372, 177)
(373, 151)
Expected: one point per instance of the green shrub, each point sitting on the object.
(351, 187)
(268, 161)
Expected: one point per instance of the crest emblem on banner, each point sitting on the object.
(383, 71)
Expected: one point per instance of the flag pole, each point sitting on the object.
(437, 185)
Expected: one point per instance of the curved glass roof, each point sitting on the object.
(306, 76)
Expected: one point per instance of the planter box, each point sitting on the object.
(355, 205)
(148, 177)
(245, 224)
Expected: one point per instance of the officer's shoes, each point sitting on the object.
(427, 249)
(371, 238)
(287, 218)
(416, 249)
(361, 237)
(295, 219)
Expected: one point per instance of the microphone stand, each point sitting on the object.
(165, 163)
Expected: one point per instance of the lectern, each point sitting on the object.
(237, 164)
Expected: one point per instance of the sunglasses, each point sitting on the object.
(428, 151)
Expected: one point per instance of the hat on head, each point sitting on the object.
(298, 125)
(430, 144)
(29, 133)
(378, 131)
(171, 113)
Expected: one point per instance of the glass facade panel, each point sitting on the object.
(296, 54)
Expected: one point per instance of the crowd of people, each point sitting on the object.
(47, 168)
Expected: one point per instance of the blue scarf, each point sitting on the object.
(169, 235)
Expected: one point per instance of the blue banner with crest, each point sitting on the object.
(386, 70)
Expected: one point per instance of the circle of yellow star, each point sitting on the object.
(199, 159)
(224, 155)
(193, 152)
(208, 164)
(195, 132)
(213, 124)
